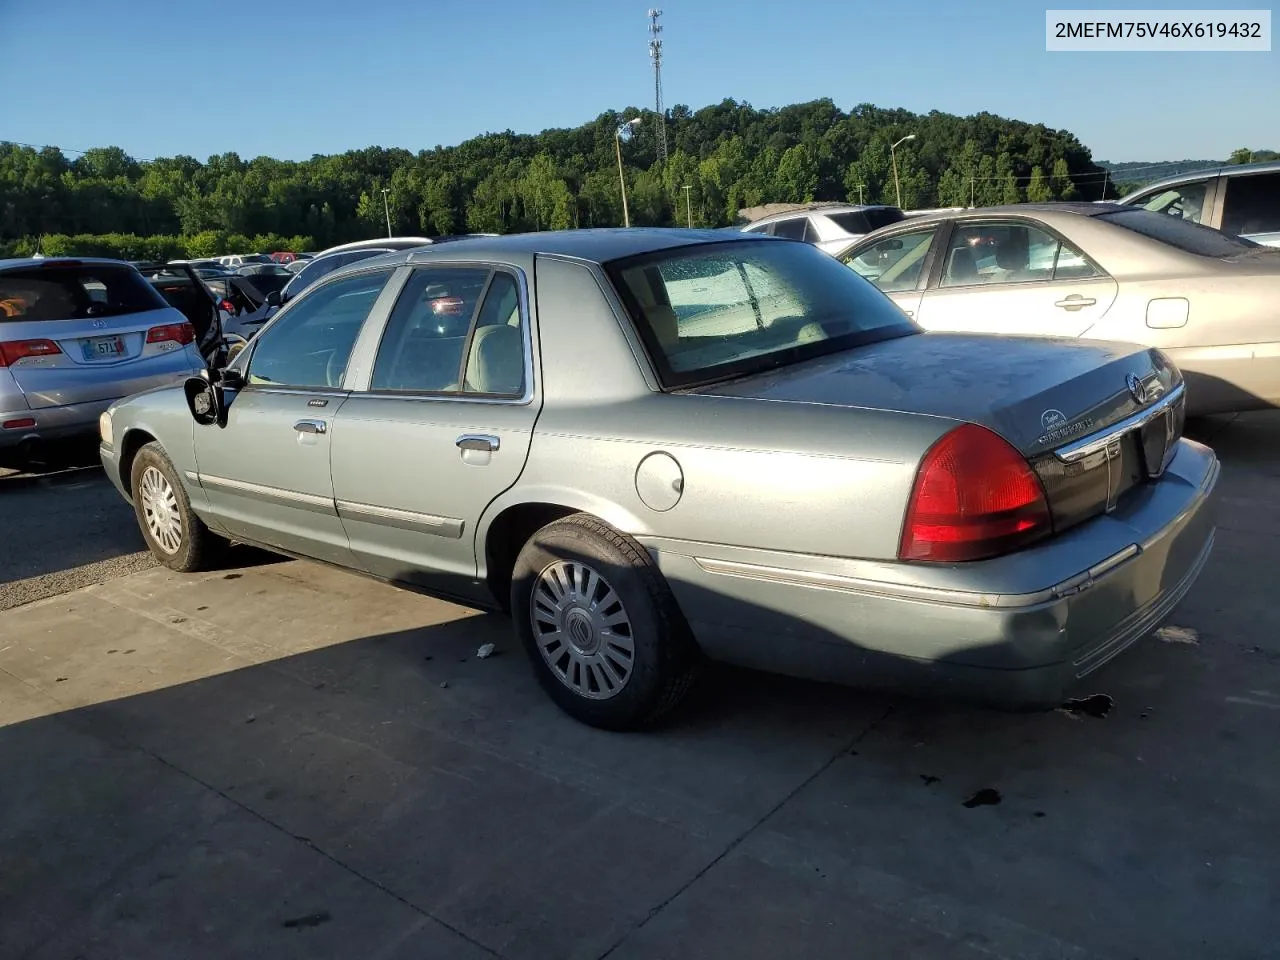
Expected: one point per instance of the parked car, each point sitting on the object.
(329, 260)
(283, 256)
(1241, 199)
(828, 226)
(234, 260)
(184, 289)
(243, 306)
(76, 334)
(787, 474)
(266, 277)
(1096, 271)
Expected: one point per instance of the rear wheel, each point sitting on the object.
(174, 534)
(600, 625)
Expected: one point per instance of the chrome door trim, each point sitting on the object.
(485, 442)
(258, 491)
(404, 519)
(1099, 441)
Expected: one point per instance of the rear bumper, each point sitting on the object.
(1082, 598)
(69, 420)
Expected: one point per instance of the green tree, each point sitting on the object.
(1243, 155)
(796, 178)
(1039, 190)
(1060, 181)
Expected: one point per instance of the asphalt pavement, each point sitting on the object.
(280, 759)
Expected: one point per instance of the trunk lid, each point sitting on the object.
(1036, 392)
(1042, 395)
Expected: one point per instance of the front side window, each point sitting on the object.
(717, 310)
(987, 253)
(894, 264)
(1252, 204)
(1185, 202)
(310, 344)
(443, 315)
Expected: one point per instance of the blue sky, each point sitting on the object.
(289, 79)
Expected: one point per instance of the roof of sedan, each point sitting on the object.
(597, 246)
(1074, 207)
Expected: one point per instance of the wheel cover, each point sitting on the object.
(160, 510)
(582, 630)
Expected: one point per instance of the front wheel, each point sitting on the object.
(174, 534)
(600, 625)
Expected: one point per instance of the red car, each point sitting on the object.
(284, 257)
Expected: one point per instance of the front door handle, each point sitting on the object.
(478, 441)
(1075, 302)
(311, 426)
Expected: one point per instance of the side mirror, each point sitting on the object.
(273, 299)
(204, 399)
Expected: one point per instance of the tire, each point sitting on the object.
(175, 536)
(585, 625)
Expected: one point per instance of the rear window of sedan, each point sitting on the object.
(1188, 237)
(718, 310)
(73, 292)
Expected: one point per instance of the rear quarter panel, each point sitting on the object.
(799, 477)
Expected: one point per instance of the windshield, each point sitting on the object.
(718, 310)
(1185, 236)
(74, 292)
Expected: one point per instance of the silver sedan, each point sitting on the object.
(655, 446)
(1209, 301)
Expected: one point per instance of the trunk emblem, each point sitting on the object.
(1051, 419)
(98, 324)
(1136, 387)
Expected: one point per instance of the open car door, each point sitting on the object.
(187, 293)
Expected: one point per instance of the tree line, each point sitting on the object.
(730, 156)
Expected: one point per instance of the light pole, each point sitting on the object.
(688, 209)
(622, 180)
(386, 207)
(893, 158)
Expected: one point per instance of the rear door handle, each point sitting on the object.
(1075, 302)
(478, 441)
(311, 426)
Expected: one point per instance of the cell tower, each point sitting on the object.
(655, 54)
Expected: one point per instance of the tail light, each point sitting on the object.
(12, 352)
(227, 305)
(181, 333)
(974, 497)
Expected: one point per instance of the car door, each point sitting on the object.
(447, 416)
(1014, 277)
(266, 472)
(898, 265)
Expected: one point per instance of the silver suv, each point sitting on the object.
(829, 226)
(1242, 199)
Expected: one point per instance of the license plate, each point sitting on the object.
(102, 348)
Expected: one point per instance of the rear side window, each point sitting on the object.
(1188, 237)
(795, 229)
(1252, 204)
(74, 293)
(854, 221)
(444, 315)
(1183, 203)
